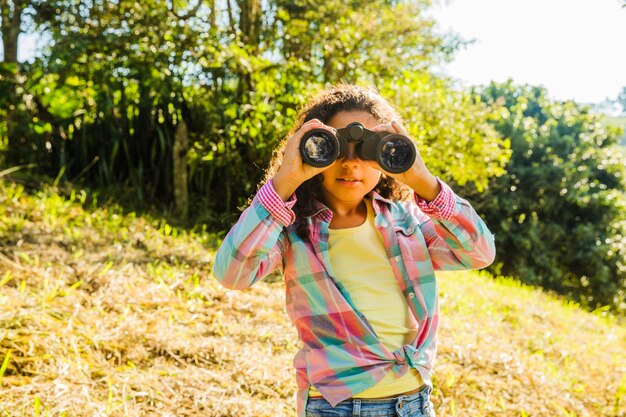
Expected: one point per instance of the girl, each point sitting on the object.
(358, 248)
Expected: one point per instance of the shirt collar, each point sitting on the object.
(325, 214)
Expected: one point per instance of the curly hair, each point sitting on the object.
(341, 97)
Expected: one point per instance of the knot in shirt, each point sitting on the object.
(406, 354)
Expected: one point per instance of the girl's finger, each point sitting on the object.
(313, 121)
(399, 128)
(319, 125)
(385, 127)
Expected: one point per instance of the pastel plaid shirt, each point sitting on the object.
(341, 354)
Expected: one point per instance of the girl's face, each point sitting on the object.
(349, 179)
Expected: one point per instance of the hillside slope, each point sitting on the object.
(106, 313)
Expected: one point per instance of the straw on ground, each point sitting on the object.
(106, 313)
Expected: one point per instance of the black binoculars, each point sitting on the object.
(394, 153)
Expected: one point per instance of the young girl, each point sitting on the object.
(358, 248)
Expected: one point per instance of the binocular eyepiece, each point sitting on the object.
(394, 153)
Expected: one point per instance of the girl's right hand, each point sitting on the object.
(293, 171)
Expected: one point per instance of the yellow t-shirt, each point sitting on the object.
(359, 261)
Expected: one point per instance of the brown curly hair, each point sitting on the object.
(341, 97)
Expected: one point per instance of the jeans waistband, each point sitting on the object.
(366, 406)
(424, 390)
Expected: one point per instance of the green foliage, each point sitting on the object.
(103, 103)
(7, 74)
(451, 128)
(619, 122)
(559, 214)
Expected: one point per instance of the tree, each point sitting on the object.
(559, 214)
(12, 13)
(11, 19)
(119, 77)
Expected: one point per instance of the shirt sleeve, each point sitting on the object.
(279, 209)
(442, 207)
(255, 246)
(456, 236)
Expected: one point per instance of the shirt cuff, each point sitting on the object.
(279, 209)
(442, 207)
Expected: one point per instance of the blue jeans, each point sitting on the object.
(413, 405)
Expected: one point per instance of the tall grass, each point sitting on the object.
(107, 313)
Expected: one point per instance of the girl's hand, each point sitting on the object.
(418, 177)
(293, 171)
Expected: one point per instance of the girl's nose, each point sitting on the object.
(350, 155)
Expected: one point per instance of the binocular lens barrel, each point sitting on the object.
(394, 153)
(319, 148)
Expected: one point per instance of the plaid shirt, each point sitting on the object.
(341, 354)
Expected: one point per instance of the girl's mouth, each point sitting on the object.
(348, 181)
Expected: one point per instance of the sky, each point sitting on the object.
(574, 48)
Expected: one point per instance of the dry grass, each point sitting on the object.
(104, 313)
(510, 350)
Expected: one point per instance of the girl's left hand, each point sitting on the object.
(418, 177)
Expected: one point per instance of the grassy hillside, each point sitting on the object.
(106, 313)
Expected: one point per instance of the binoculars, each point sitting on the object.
(394, 153)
